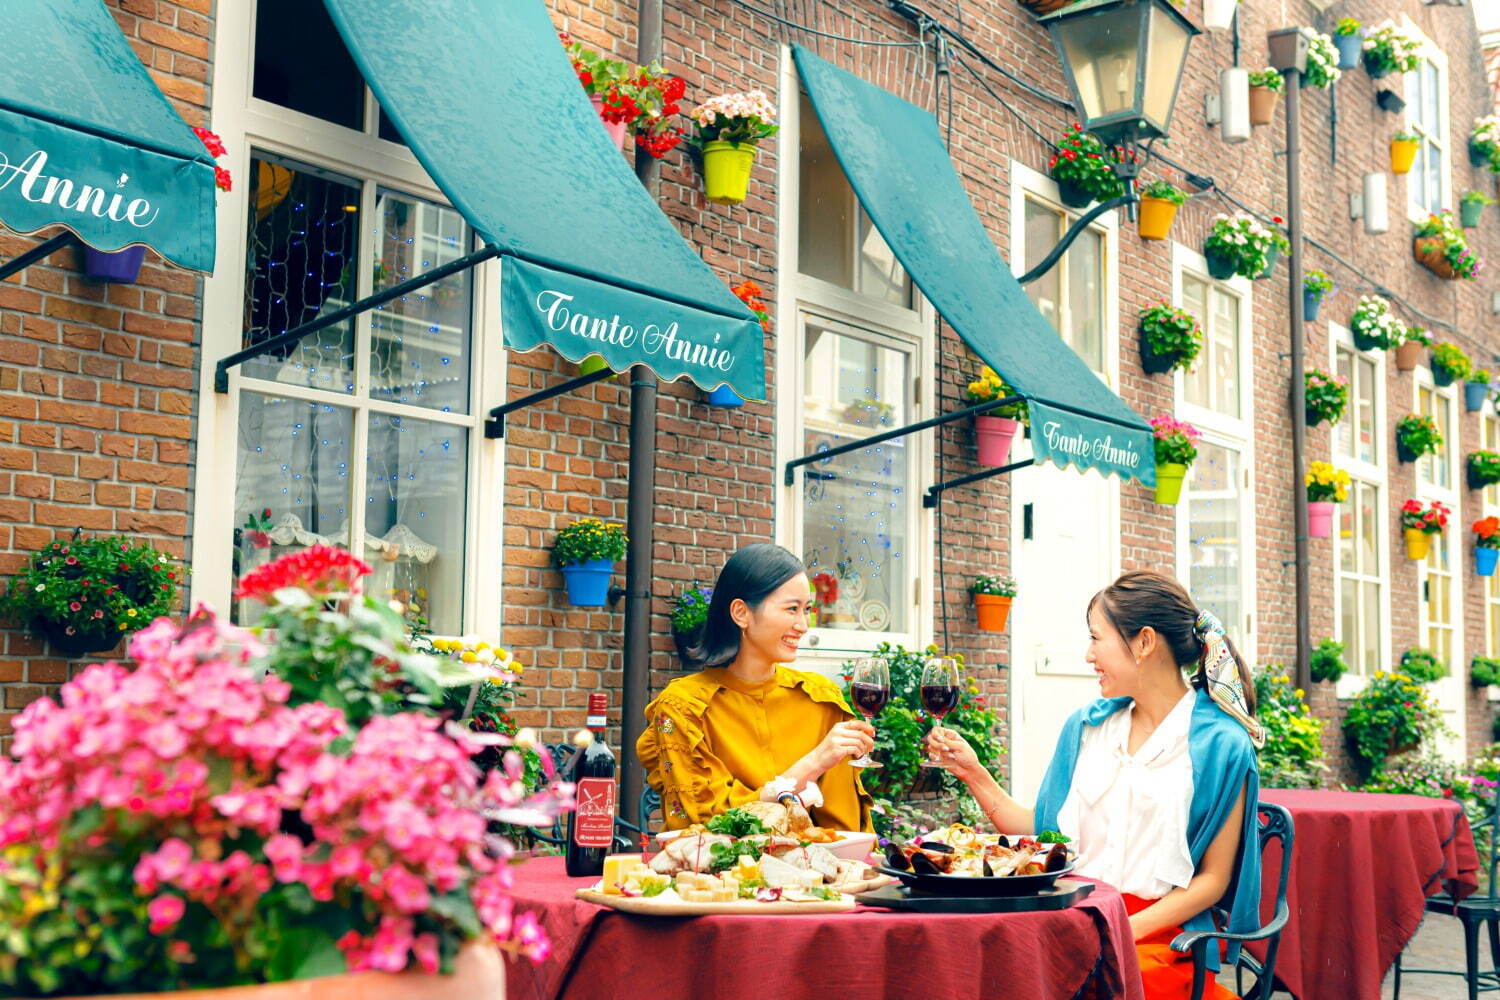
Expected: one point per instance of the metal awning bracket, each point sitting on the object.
(494, 427)
(930, 498)
(36, 253)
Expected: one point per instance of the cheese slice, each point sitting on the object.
(617, 868)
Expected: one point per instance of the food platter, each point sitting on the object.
(850, 845)
(656, 906)
(971, 885)
(961, 862)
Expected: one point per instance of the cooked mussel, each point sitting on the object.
(896, 858)
(1004, 841)
(988, 871)
(1057, 859)
(922, 865)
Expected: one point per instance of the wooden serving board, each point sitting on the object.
(645, 907)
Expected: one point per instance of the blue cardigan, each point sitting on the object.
(1223, 762)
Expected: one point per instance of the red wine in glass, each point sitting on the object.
(870, 698)
(939, 689)
(939, 699)
(869, 689)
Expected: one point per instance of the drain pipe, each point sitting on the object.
(640, 512)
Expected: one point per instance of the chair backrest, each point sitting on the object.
(1276, 824)
(1485, 832)
(649, 805)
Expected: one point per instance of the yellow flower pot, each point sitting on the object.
(1169, 477)
(726, 171)
(1156, 218)
(1403, 155)
(1418, 542)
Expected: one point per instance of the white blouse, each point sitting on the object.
(1128, 813)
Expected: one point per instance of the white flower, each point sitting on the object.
(41, 587)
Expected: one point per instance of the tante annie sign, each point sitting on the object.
(580, 316)
(1065, 437)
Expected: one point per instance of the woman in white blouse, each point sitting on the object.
(1156, 782)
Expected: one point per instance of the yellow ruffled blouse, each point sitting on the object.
(712, 741)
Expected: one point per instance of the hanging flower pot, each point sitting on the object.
(995, 430)
(1409, 355)
(1483, 469)
(1218, 15)
(1084, 169)
(1439, 245)
(1170, 338)
(1169, 479)
(1484, 560)
(588, 582)
(993, 611)
(1449, 364)
(1272, 256)
(1311, 301)
(726, 172)
(1074, 194)
(1419, 524)
(1326, 396)
(1320, 518)
(1471, 208)
(1388, 49)
(1176, 445)
(689, 613)
(73, 643)
(1418, 543)
(591, 364)
(615, 130)
(1348, 40)
(120, 267)
(1404, 152)
(1156, 218)
(729, 126)
(586, 551)
(723, 397)
(994, 436)
(1221, 266)
(1476, 390)
(1429, 251)
(1265, 92)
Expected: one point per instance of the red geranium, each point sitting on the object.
(827, 586)
(321, 571)
(750, 293)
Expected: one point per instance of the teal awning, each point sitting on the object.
(88, 142)
(486, 98)
(896, 162)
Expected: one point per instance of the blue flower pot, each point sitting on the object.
(120, 267)
(1310, 303)
(724, 397)
(1350, 48)
(1484, 560)
(1475, 393)
(588, 583)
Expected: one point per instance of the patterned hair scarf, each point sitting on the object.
(1222, 674)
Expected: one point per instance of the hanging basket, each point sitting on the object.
(1484, 560)
(1365, 342)
(1404, 453)
(1311, 303)
(1272, 256)
(726, 171)
(1403, 155)
(1409, 355)
(1441, 377)
(1374, 67)
(1320, 518)
(1156, 217)
(81, 642)
(1418, 543)
(1152, 362)
(121, 267)
(684, 641)
(1073, 194)
(1221, 266)
(1428, 250)
(1169, 477)
(1349, 48)
(1475, 395)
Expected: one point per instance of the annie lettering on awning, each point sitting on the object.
(1083, 446)
(85, 199)
(668, 341)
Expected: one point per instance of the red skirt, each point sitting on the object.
(1167, 974)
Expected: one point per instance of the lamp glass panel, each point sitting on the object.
(1166, 52)
(1102, 51)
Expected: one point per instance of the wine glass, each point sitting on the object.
(939, 694)
(869, 689)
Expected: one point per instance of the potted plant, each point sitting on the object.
(1449, 364)
(996, 429)
(1373, 326)
(1279, 245)
(1484, 672)
(1176, 444)
(1265, 90)
(1387, 49)
(1325, 395)
(729, 128)
(1486, 545)
(1159, 203)
(1423, 665)
(1326, 664)
(1349, 41)
(1483, 469)
(586, 551)
(1326, 486)
(992, 599)
(84, 595)
(689, 612)
(221, 828)
(1417, 435)
(1439, 246)
(1471, 208)
(607, 83)
(1392, 715)
(1322, 62)
(1316, 285)
(1084, 169)
(1238, 244)
(1170, 338)
(1414, 342)
(1218, 15)
(1484, 143)
(1404, 146)
(1476, 389)
(750, 293)
(1419, 524)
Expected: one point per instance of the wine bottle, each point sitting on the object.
(591, 826)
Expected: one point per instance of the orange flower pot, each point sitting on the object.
(1403, 155)
(993, 611)
(1409, 355)
(1156, 218)
(479, 973)
(1263, 105)
(1429, 252)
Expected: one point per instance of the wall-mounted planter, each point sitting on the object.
(1389, 100)
(1272, 256)
(1485, 559)
(1403, 155)
(1263, 102)
(615, 130)
(1418, 543)
(993, 611)
(1218, 15)
(1469, 213)
(1349, 48)
(993, 437)
(1311, 303)
(1169, 477)
(1409, 355)
(1475, 394)
(1320, 518)
(1220, 266)
(726, 171)
(1478, 156)
(120, 267)
(588, 582)
(1429, 252)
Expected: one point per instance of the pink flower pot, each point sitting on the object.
(616, 130)
(1320, 518)
(995, 435)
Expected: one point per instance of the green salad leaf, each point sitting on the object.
(736, 823)
(1052, 837)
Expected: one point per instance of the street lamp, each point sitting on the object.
(1123, 60)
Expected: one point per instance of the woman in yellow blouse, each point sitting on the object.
(746, 726)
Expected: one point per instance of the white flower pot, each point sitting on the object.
(1219, 14)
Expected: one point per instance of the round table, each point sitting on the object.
(1363, 866)
(1085, 951)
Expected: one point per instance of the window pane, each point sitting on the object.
(856, 508)
(301, 263)
(1044, 226)
(1369, 640)
(825, 224)
(419, 350)
(292, 481)
(1348, 542)
(880, 274)
(415, 481)
(1083, 266)
(1224, 332)
(1195, 382)
(1349, 622)
(1369, 449)
(1344, 435)
(301, 63)
(1214, 533)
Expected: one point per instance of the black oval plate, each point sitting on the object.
(977, 885)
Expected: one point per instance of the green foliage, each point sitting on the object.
(1456, 250)
(989, 385)
(1268, 78)
(901, 729)
(1293, 754)
(1478, 376)
(1327, 662)
(1471, 197)
(1484, 139)
(588, 539)
(1346, 26)
(1484, 671)
(96, 589)
(1322, 62)
(1452, 361)
(1081, 159)
(736, 823)
(1244, 242)
(1326, 396)
(1423, 772)
(1003, 586)
(1419, 434)
(1165, 191)
(1484, 467)
(1172, 333)
(1318, 282)
(690, 609)
(1404, 136)
(1393, 712)
(1389, 49)
(1423, 666)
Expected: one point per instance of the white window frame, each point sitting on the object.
(798, 295)
(1234, 433)
(1378, 476)
(1432, 53)
(1489, 502)
(1452, 689)
(248, 124)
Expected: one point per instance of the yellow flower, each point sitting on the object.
(467, 656)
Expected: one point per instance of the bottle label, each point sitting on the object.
(594, 824)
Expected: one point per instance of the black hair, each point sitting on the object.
(751, 575)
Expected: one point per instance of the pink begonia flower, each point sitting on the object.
(405, 890)
(164, 912)
(284, 851)
(425, 948)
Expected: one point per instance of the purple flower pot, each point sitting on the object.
(122, 266)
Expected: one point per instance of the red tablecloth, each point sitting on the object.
(1362, 868)
(867, 953)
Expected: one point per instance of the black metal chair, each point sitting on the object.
(1481, 909)
(649, 805)
(1275, 824)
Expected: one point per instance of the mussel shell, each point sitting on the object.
(896, 858)
(1057, 859)
(988, 871)
(937, 846)
(922, 865)
(1004, 841)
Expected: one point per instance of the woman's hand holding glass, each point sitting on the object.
(949, 748)
(846, 739)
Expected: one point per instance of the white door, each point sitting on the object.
(1066, 527)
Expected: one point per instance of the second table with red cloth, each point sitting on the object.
(868, 953)
(1363, 866)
